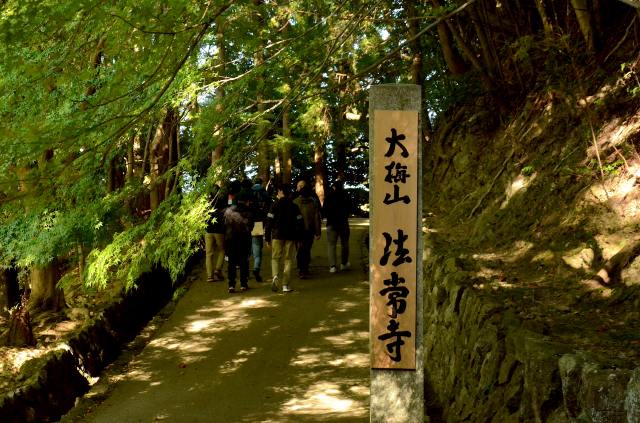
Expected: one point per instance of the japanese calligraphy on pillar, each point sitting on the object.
(393, 239)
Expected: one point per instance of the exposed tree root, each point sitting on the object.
(610, 273)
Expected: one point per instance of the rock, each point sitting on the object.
(507, 367)
(570, 371)
(632, 400)
(440, 295)
(603, 394)
(580, 258)
(77, 313)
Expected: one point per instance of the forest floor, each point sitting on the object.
(255, 356)
(551, 299)
(548, 226)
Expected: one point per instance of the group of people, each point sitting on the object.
(245, 217)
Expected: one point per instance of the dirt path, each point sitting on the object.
(255, 356)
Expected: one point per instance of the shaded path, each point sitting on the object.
(254, 356)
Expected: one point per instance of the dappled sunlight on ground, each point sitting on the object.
(314, 358)
(347, 338)
(182, 347)
(330, 392)
(209, 321)
(255, 356)
(516, 251)
(325, 398)
(234, 364)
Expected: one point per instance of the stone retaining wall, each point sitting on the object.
(56, 379)
(481, 365)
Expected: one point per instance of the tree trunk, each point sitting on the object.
(218, 133)
(172, 159)
(20, 333)
(96, 60)
(320, 166)
(340, 141)
(135, 139)
(44, 293)
(546, 23)
(286, 149)
(261, 129)
(111, 175)
(264, 161)
(488, 83)
(159, 153)
(585, 21)
(489, 57)
(9, 291)
(452, 58)
(81, 262)
(154, 171)
(277, 167)
(416, 51)
(417, 74)
(341, 157)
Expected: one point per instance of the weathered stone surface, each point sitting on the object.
(49, 393)
(632, 400)
(603, 394)
(580, 258)
(483, 365)
(570, 373)
(55, 379)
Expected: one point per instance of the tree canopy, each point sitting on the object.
(117, 118)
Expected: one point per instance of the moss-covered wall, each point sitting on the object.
(482, 365)
(53, 381)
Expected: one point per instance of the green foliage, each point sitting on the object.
(527, 170)
(178, 293)
(630, 74)
(168, 238)
(522, 48)
(613, 168)
(82, 84)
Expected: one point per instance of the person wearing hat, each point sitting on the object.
(238, 223)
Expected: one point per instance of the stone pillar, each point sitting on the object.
(397, 394)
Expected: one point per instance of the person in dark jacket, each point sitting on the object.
(312, 227)
(214, 237)
(261, 205)
(283, 230)
(238, 223)
(336, 210)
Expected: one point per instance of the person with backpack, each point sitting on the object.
(312, 229)
(261, 204)
(238, 223)
(283, 230)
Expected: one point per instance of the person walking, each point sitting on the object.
(336, 209)
(283, 230)
(261, 205)
(312, 229)
(238, 223)
(214, 237)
